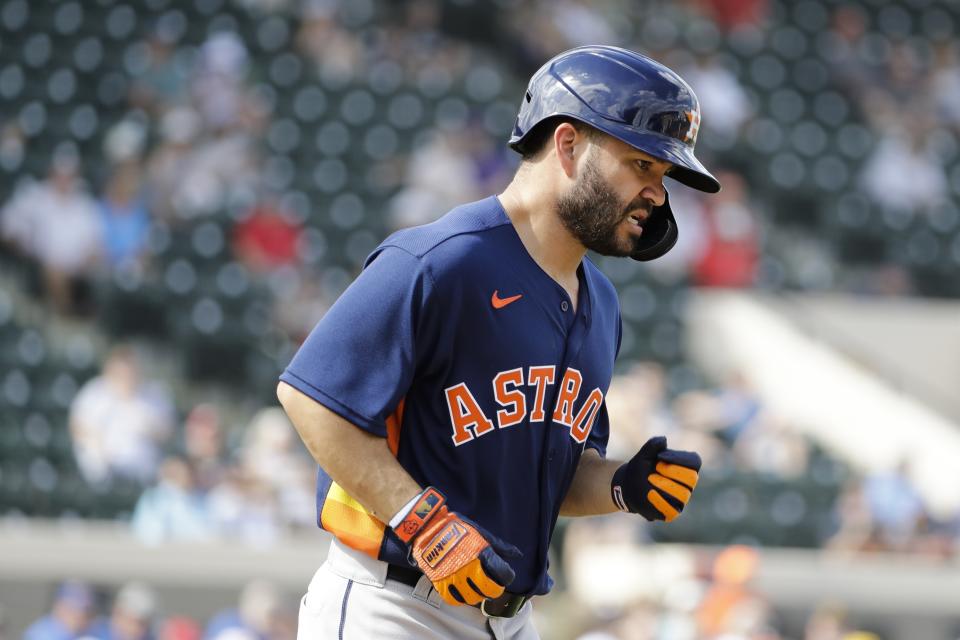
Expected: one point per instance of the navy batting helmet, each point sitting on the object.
(632, 98)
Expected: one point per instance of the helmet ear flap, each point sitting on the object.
(659, 233)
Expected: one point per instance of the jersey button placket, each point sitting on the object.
(564, 306)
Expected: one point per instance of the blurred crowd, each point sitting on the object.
(186, 147)
(135, 611)
(202, 488)
(908, 93)
(718, 602)
(715, 601)
(744, 446)
(199, 126)
(198, 485)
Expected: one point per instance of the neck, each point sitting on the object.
(530, 203)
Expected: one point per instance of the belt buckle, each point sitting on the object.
(483, 609)
(506, 612)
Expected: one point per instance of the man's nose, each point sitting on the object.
(655, 193)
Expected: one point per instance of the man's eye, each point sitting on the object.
(643, 165)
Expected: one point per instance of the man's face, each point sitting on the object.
(615, 193)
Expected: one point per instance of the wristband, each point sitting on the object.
(424, 507)
(399, 515)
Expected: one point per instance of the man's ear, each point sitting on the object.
(567, 142)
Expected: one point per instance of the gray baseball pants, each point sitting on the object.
(350, 598)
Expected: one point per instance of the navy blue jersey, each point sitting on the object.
(458, 348)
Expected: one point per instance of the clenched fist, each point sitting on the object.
(657, 482)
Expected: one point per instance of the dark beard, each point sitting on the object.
(591, 212)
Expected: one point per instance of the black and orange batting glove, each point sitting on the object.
(657, 482)
(464, 563)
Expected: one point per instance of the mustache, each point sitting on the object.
(639, 204)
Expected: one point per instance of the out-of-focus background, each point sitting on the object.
(187, 185)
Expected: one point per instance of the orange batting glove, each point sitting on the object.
(657, 482)
(465, 564)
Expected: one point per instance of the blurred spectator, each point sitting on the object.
(119, 422)
(855, 527)
(179, 628)
(174, 509)
(300, 302)
(169, 166)
(419, 37)
(826, 623)
(533, 40)
(203, 445)
(440, 175)
(209, 150)
(723, 100)
(163, 82)
(895, 506)
(904, 173)
(124, 143)
(731, 250)
(70, 616)
(215, 167)
(738, 406)
(582, 23)
(133, 615)
(945, 83)
(218, 83)
(56, 223)
(259, 616)
(126, 222)
(846, 50)
(267, 238)
(493, 162)
(242, 507)
(270, 451)
(729, 605)
(638, 406)
(903, 79)
(272, 455)
(12, 146)
(335, 51)
(678, 264)
(731, 14)
(772, 448)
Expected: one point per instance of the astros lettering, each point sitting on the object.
(469, 421)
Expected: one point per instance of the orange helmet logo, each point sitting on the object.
(694, 128)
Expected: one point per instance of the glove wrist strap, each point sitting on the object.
(424, 507)
(616, 489)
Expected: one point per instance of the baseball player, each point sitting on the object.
(454, 394)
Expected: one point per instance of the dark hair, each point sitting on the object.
(537, 138)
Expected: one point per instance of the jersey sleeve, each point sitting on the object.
(360, 358)
(600, 432)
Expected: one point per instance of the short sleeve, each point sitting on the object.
(359, 360)
(600, 433)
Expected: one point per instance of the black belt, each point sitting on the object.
(407, 575)
(506, 606)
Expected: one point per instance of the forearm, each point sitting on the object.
(358, 461)
(589, 493)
